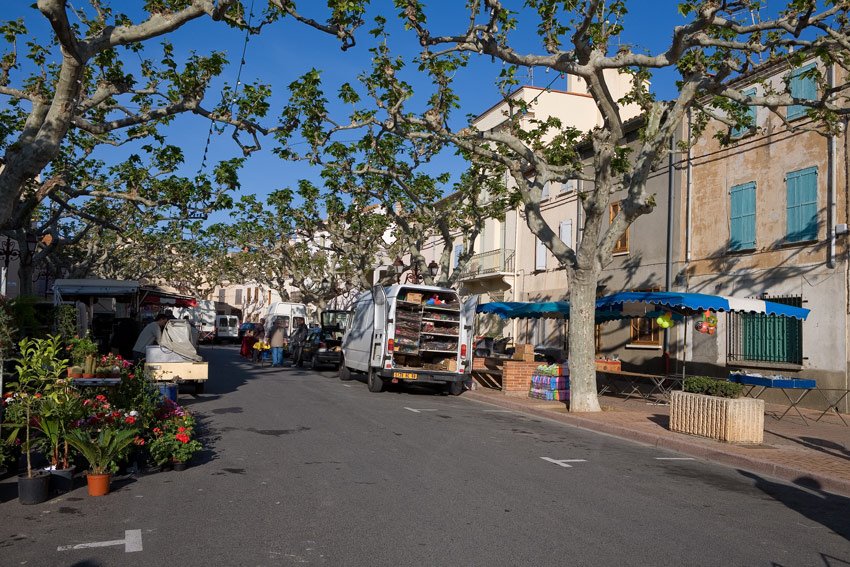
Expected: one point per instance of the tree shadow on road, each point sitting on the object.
(829, 510)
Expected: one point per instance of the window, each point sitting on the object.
(742, 217)
(458, 252)
(803, 87)
(565, 232)
(766, 338)
(249, 295)
(645, 331)
(539, 254)
(222, 295)
(740, 131)
(622, 245)
(238, 296)
(802, 205)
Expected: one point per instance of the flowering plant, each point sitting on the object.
(172, 438)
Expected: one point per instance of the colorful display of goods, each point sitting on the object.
(550, 383)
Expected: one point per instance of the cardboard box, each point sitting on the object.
(451, 365)
(413, 297)
(524, 352)
(609, 365)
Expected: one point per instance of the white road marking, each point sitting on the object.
(498, 411)
(563, 462)
(132, 542)
(674, 459)
(419, 410)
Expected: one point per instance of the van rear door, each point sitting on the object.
(379, 332)
(467, 329)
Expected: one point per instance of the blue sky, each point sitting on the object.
(286, 49)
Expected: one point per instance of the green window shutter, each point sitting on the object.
(739, 131)
(802, 205)
(742, 217)
(801, 87)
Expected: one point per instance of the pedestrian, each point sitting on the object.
(151, 334)
(277, 340)
(299, 335)
(260, 329)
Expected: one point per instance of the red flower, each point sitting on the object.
(100, 398)
(182, 437)
(37, 396)
(130, 419)
(138, 441)
(157, 431)
(181, 429)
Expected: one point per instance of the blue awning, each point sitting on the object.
(631, 304)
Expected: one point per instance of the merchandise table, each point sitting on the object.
(832, 405)
(759, 384)
(661, 384)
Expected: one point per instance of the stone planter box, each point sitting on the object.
(733, 420)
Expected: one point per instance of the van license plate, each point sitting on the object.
(404, 375)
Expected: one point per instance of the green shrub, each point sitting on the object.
(713, 387)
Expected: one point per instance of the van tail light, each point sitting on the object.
(390, 345)
(463, 350)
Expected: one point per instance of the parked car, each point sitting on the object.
(322, 348)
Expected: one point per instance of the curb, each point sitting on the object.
(680, 443)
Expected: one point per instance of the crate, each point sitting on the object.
(413, 297)
(609, 365)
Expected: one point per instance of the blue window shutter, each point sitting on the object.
(802, 205)
(739, 131)
(742, 217)
(539, 255)
(458, 252)
(801, 87)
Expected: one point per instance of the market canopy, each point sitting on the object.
(648, 303)
(631, 304)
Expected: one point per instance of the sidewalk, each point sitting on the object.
(816, 455)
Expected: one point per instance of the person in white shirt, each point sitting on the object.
(149, 335)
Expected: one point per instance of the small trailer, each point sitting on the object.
(175, 359)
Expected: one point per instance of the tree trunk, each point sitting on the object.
(583, 396)
(25, 277)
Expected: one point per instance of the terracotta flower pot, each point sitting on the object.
(88, 375)
(98, 484)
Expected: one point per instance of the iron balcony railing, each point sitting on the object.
(489, 263)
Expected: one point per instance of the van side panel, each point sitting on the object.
(357, 343)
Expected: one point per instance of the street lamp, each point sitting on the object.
(433, 268)
(9, 253)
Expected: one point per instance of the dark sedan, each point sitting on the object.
(322, 348)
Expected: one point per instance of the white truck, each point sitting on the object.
(410, 333)
(202, 317)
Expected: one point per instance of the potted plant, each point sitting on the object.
(80, 349)
(101, 449)
(38, 368)
(713, 408)
(60, 408)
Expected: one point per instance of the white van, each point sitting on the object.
(202, 317)
(410, 333)
(226, 328)
(287, 311)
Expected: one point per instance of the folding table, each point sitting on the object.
(759, 384)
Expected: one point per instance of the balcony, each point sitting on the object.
(492, 264)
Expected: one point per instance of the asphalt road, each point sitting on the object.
(304, 469)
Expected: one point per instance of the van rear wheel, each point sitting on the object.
(344, 373)
(455, 388)
(374, 381)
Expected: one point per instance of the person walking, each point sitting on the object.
(151, 334)
(299, 336)
(277, 340)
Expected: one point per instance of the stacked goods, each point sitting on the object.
(408, 322)
(550, 383)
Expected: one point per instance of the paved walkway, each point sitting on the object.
(812, 454)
